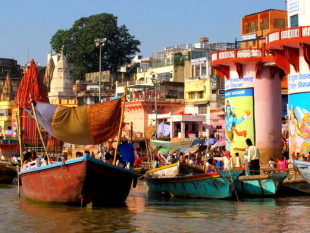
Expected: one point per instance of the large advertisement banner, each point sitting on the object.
(299, 123)
(239, 118)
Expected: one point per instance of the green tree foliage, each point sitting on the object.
(79, 47)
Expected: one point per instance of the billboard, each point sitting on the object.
(239, 118)
(298, 113)
(299, 123)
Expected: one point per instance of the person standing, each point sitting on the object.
(238, 160)
(253, 157)
(126, 150)
(227, 160)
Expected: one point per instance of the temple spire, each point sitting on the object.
(7, 93)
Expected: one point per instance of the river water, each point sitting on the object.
(149, 214)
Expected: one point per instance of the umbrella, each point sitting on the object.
(220, 143)
(163, 150)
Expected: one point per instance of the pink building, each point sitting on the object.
(138, 112)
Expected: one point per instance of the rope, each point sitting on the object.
(232, 181)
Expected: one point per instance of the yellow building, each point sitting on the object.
(6, 105)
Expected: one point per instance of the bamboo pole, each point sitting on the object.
(20, 144)
(19, 135)
(40, 134)
(120, 124)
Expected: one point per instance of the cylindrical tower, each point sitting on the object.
(291, 50)
(252, 101)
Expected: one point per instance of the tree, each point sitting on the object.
(79, 47)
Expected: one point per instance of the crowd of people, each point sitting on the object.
(217, 159)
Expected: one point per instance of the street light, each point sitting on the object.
(154, 81)
(100, 42)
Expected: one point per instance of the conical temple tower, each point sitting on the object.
(61, 84)
(7, 93)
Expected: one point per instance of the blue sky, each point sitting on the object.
(28, 26)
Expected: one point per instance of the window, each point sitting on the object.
(253, 26)
(202, 109)
(191, 95)
(279, 23)
(203, 69)
(294, 21)
(265, 24)
(200, 94)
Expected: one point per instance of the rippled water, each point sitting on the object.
(148, 214)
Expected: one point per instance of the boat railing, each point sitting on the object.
(292, 173)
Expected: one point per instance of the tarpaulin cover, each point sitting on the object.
(85, 125)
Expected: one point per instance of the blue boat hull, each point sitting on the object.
(260, 186)
(195, 186)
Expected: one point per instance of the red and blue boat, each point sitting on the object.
(78, 182)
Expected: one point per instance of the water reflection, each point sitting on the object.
(149, 214)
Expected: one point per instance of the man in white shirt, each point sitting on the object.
(253, 157)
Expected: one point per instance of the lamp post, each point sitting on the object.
(100, 42)
(154, 81)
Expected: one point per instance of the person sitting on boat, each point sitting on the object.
(155, 163)
(34, 160)
(227, 160)
(138, 161)
(271, 163)
(127, 152)
(210, 167)
(108, 157)
(44, 161)
(27, 159)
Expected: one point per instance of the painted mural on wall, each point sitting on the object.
(299, 116)
(239, 118)
(299, 123)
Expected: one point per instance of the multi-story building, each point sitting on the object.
(255, 27)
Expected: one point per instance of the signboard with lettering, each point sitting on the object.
(292, 6)
(249, 37)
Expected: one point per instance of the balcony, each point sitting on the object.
(236, 55)
(289, 36)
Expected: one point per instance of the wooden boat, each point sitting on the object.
(78, 181)
(82, 180)
(303, 168)
(182, 180)
(260, 185)
(7, 174)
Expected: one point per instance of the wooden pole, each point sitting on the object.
(19, 135)
(40, 134)
(120, 124)
(21, 156)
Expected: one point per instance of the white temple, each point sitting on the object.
(61, 84)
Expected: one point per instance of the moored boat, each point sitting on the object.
(303, 168)
(260, 185)
(84, 179)
(78, 181)
(182, 180)
(7, 174)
